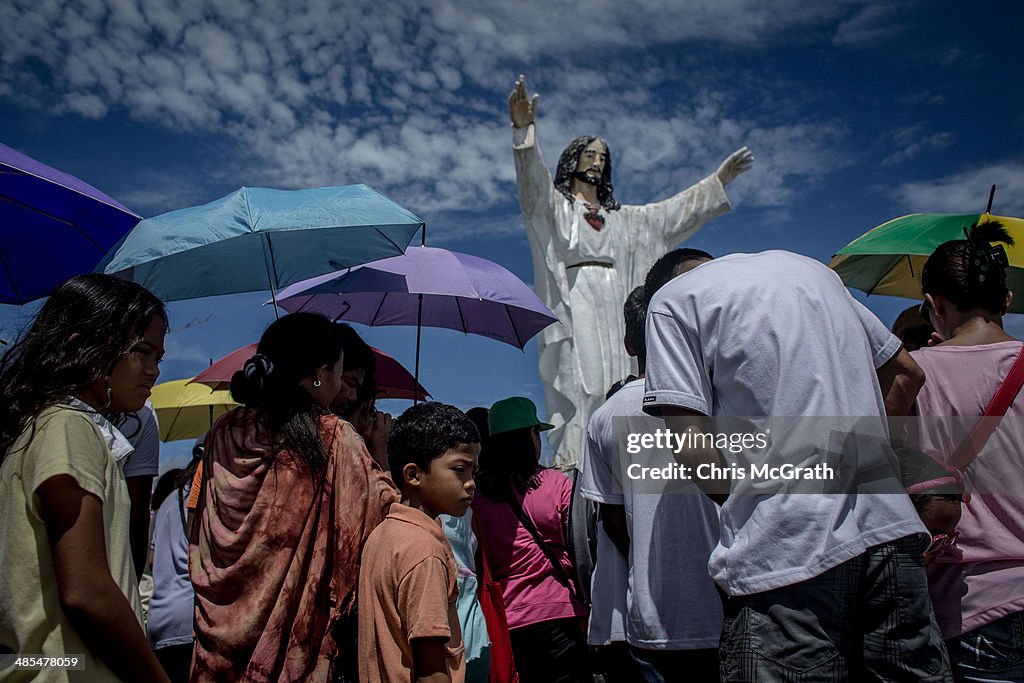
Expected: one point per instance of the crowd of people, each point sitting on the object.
(312, 539)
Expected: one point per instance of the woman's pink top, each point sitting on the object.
(981, 577)
(531, 591)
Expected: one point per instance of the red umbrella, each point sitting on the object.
(393, 380)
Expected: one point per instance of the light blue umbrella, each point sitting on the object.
(257, 238)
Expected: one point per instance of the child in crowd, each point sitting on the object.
(169, 626)
(522, 517)
(67, 581)
(408, 624)
(459, 532)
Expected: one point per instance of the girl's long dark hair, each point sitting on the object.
(508, 465)
(86, 326)
(970, 273)
(291, 349)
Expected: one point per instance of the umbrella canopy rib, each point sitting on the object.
(883, 274)
(43, 212)
(397, 247)
(462, 317)
(515, 330)
(14, 170)
(271, 263)
(380, 306)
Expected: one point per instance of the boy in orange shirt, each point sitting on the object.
(408, 626)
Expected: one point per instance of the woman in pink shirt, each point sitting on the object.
(522, 516)
(977, 585)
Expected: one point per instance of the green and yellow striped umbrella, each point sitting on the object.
(889, 258)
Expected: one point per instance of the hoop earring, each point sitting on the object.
(316, 383)
(110, 395)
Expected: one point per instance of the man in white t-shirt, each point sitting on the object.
(674, 613)
(827, 585)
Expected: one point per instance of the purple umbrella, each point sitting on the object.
(427, 286)
(52, 226)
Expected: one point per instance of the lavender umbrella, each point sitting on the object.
(427, 286)
(52, 226)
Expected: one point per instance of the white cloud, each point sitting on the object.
(868, 25)
(967, 191)
(411, 98)
(911, 141)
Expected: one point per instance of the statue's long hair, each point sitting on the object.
(567, 167)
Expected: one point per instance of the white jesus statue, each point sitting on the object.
(588, 253)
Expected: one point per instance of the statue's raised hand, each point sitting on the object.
(521, 110)
(739, 161)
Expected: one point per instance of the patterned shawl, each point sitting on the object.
(274, 557)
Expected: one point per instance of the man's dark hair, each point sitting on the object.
(566, 171)
(424, 432)
(913, 330)
(479, 417)
(508, 464)
(635, 313)
(358, 354)
(669, 266)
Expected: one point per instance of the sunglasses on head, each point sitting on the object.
(954, 478)
(925, 311)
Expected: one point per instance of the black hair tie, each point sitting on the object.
(258, 368)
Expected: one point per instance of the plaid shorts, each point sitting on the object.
(868, 619)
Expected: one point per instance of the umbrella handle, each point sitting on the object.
(416, 377)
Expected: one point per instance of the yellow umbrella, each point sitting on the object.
(187, 410)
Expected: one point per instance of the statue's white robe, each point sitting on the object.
(583, 355)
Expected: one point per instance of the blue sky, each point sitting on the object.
(857, 112)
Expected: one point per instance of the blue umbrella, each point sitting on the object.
(52, 226)
(258, 238)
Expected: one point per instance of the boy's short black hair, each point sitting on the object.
(424, 432)
(669, 266)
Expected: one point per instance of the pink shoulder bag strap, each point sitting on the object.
(989, 421)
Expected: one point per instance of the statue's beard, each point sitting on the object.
(589, 180)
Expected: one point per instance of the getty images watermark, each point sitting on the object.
(726, 443)
(752, 456)
(761, 456)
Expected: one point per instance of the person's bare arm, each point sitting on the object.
(613, 519)
(90, 598)
(900, 378)
(139, 491)
(428, 661)
(681, 421)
